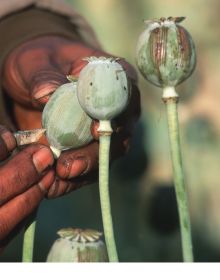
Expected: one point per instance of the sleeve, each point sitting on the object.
(22, 20)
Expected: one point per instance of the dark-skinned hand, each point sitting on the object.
(31, 73)
(24, 180)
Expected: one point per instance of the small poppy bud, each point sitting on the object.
(77, 245)
(165, 52)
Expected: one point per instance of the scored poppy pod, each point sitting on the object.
(67, 125)
(165, 52)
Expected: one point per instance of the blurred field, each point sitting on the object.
(143, 202)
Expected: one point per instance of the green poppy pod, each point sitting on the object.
(103, 89)
(165, 53)
(77, 245)
(67, 125)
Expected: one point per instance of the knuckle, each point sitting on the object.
(58, 188)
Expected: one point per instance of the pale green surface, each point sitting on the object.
(103, 89)
(67, 124)
(172, 68)
(105, 197)
(66, 250)
(178, 174)
(28, 242)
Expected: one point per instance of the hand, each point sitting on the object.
(31, 74)
(24, 180)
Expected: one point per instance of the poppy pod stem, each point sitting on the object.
(28, 241)
(170, 98)
(166, 57)
(105, 132)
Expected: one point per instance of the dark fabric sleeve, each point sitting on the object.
(21, 26)
(30, 23)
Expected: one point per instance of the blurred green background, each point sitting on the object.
(143, 201)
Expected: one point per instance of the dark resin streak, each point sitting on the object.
(158, 41)
(184, 47)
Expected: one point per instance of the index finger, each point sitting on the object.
(83, 51)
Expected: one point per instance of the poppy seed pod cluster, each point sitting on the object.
(165, 52)
(78, 245)
(103, 89)
(67, 125)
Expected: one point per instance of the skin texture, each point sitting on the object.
(31, 73)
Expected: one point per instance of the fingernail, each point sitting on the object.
(78, 167)
(42, 95)
(9, 140)
(58, 188)
(46, 181)
(42, 159)
(44, 99)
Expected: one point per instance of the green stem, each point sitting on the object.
(104, 148)
(28, 242)
(185, 227)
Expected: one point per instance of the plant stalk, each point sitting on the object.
(28, 241)
(105, 132)
(181, 195)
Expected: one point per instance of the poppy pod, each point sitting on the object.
(103, 89)
(67, 125)
(165, 53)
(77, 245)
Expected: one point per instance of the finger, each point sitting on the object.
(43, 84)
(120, 139)
(78, 162)
(61, 187)
(7, 142)
(79, 63)
(82, 52)
(30, 75)
(130, 70)
(120, 144)
(129, 117)
(14, 211)
(82, 161)
(126, 120)
(94, 129)
(23, 170)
